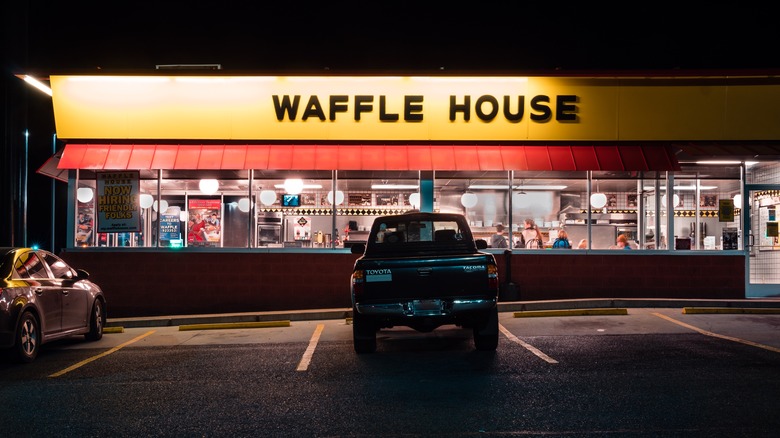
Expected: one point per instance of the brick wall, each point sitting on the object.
(152, 283)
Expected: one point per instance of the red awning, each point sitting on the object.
(366, 157)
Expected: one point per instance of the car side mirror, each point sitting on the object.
(81, 274)
(358, 248)
(481, 243)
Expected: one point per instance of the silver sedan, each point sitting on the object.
(43, 299)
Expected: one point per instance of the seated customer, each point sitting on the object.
(562, 241)
(622, 242)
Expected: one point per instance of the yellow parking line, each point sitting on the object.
(570, 312)
(526, 345)
(716, 335)
(306, 359)
(234, 325)
(730, 310)
(106, 353)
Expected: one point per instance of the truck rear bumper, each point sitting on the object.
(432, 307)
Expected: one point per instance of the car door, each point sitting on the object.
(74, 295)
(46, 296)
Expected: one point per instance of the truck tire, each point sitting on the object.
(486, 333)
(363, 333)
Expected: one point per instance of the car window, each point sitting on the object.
(29, 265)
(59, 269)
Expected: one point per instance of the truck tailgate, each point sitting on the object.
(425, 277)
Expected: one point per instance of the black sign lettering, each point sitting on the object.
(543, 111)
(413, 108)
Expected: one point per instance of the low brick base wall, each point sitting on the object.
(149, 283)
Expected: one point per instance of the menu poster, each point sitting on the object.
(204, 224)
(85, 223)
(117, 202)
(170, 225)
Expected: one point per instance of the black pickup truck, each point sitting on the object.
(423, 270)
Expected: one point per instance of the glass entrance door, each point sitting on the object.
(763, 240)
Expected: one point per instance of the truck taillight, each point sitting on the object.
(358, 280)
(492, 271)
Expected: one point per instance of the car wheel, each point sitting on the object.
(28, 339)
(96, 322)
(363, 333)
(486, 334)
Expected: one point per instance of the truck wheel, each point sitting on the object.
(28, 339)
(486, 334)
(363, 333)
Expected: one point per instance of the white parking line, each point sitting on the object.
(526, 345)
(306, 359)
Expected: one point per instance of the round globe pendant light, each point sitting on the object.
(84, 194)
(208, 186)
(339, 197)
(162, 207)
(598, 200)
(468, 199)
(675, 199)
(738, 201)
(414, 200)
(145, 200)
(267, 197)
(243, 204)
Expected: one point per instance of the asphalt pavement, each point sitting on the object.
(530, 308)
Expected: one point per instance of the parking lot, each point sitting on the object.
(644, 372)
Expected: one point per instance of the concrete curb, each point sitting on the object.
(514, 306)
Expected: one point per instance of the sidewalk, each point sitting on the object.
(512, 306)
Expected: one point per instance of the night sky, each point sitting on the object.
(415, 37)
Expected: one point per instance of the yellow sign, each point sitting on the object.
(409, 108)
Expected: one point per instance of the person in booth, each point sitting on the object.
(622, 242)
(498, 240)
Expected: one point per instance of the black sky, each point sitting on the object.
(401, 37)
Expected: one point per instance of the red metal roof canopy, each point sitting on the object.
(366, 157)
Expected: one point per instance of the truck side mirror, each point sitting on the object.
(358, 248)
(481, 243)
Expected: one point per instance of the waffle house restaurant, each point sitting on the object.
(194, 194)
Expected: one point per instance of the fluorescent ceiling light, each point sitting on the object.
(691, 188)
(523, 187)
(394, 186)
(37, 84)
(540, 187)
(720, 162)
(305, 186)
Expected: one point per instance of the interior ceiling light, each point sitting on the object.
(84, 194)
(738, 200)
(468, 200)
(394, 186)
(520, 187)
(691, 188)
(414, 199)
(162, 208)
(208, 186)
(145, 200)
(243, 204)
(295, 186)
(675, 199)
(339, 197)
(267, 197)
(598, 200)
